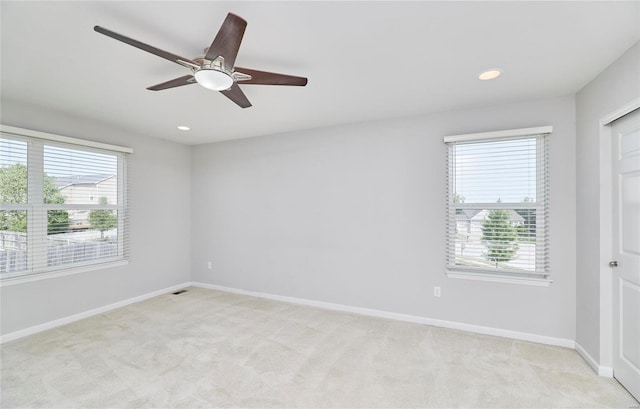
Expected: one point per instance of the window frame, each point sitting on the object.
(541, 275)
(36, 209)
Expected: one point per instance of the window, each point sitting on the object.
(497, 205)
(62, 203)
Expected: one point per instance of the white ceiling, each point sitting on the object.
(364, 60)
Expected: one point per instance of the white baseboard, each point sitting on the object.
(66, 320)
(562, 342)
(524, 336)
(599, 369)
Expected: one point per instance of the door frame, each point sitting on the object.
(605, 366)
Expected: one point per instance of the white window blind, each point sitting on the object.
(63, 205)
(14, 210)
(497, 203)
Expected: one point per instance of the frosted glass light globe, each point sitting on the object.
(214, 79)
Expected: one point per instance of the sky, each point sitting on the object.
(503, 170)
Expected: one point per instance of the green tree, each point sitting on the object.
(500, 236)
(57, 220)
(523, 231)
(458, 198)
(13, 190)
(103, 220)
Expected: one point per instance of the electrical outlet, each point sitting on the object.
(436, 291)
(209, 265)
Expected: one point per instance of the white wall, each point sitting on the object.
(160, 192)
(351, 214)
(355, 215)
(611, 89)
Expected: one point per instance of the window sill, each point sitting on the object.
(531, 281)
(60, 273)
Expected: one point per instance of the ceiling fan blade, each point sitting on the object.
(177, 82)
(227, 41)
(270, 78)
(236, 95)
(146, 47)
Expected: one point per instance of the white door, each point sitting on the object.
(626, 251)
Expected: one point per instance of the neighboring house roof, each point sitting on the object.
(467, 214)
(515, 217)
(66, 181)
(479, 214)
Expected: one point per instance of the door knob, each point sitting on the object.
(613, 263)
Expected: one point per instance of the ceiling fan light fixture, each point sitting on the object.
(490, 74)
(213, 79)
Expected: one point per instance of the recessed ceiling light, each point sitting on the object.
(183, 128)
(490, 74)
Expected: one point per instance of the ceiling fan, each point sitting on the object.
(216, 69)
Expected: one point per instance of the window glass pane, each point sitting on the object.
(79, 236)
(13, 241)
(13, 171)
(497, 171)
(70, 194)
(497, 238)
(75, 176)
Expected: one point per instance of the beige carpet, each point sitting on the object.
(205, 348)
